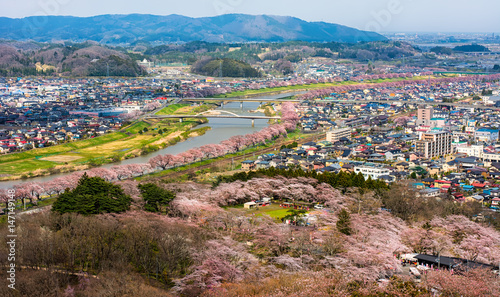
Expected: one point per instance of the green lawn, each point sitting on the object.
(139, 126)
(24, 166)
(171, 109)
(67, 147)
(273, 210)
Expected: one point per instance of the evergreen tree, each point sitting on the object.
(157, 199)
(344, 222)
(93, 195)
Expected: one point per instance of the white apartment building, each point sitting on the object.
(373, 172)
(471, 150)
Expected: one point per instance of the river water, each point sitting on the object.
(221, 129)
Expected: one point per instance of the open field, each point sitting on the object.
(171, 109)
(62, 158)
(136, 127)
(95, 151)
(274, 211)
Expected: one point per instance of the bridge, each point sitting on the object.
(241, 100)
(221, 114)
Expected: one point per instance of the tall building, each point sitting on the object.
(424, 116)
(434, 144)
(337, 134)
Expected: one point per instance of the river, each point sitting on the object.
(221, 129)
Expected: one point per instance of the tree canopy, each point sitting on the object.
(156, 198)
(224, 67)
(93, 195)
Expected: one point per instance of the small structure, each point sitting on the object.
(248, 165)
(250, 205)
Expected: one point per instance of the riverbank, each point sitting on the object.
(230, 161)
(305, 88)
(139, 138)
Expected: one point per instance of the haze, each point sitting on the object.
(375, 15)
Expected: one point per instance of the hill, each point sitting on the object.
(224, 67)
(471, 48)
(86, 59)
(126, 29)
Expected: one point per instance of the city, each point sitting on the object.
(238, 153)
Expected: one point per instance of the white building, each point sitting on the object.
(471, 150)
(337, 134)
(373, 172)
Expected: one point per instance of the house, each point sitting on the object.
(449, 263)
(475, 198)
(431, 192)
(262, 165)
(442, 184)
(248, 165)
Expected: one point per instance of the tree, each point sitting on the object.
(344, 222)
(93, 195)
(156, 198)
(295, 215)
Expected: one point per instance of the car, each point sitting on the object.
(318, 206)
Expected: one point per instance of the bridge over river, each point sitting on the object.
(214, 114)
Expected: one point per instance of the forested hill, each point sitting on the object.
(123, 29)
(85, 59)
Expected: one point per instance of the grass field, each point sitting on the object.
(67, 147)
(94, 151)
(171, 109)
(274, 211)
(139, 126)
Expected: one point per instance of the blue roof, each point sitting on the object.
(488, 130)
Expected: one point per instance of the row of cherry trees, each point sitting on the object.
(32, 191)
(213, 91)
(398, 84)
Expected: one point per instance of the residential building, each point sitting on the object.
(486, 135)
(337, 134)
(434, 144)
(424, 116)
(373, 172)
(471, 150)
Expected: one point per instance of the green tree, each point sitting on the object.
(93, 195)
(344, 222)
(156, 198)
(295, 215)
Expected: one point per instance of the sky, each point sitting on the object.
(372, 15)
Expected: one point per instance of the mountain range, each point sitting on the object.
(134, 28)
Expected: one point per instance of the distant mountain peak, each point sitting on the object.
(126, 29)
